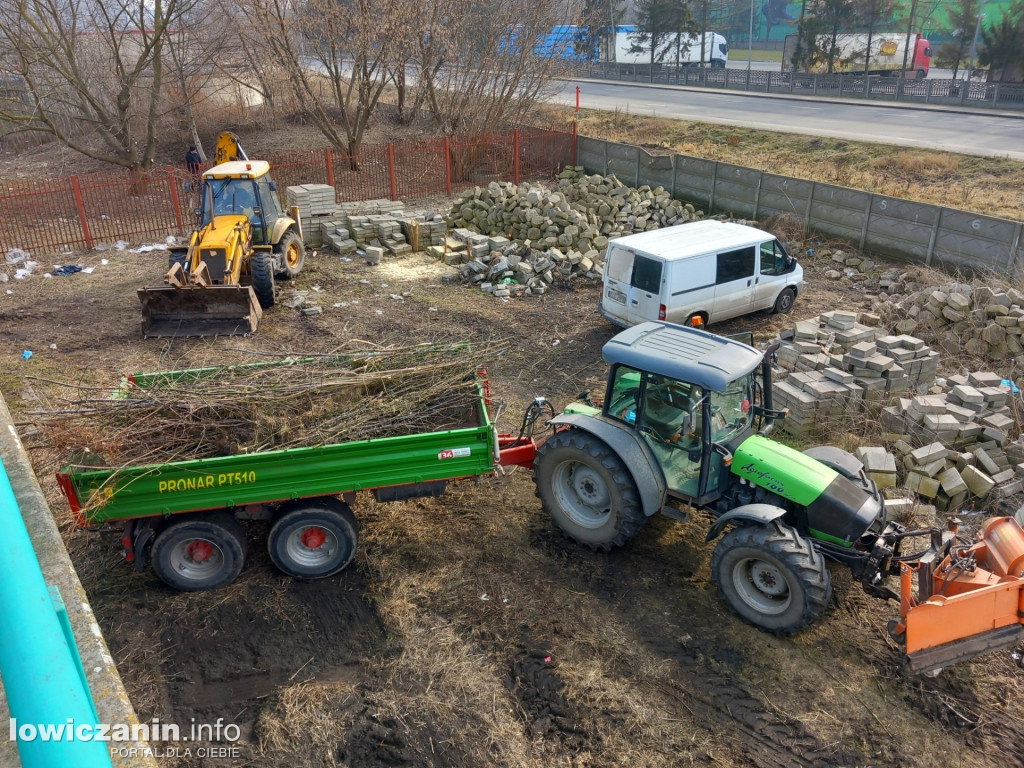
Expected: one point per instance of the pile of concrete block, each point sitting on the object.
(981, 320)
(582, 212)
(316, 205)
(506, 269)
(839, 361)
(945, 478)
(380, 224)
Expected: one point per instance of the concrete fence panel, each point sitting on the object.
(694, 181)
(736, 190)
(624, 163)
(592, 154)
(901, 229)
(839, 212)
(781, 194)
(971, 241)
(657, 170)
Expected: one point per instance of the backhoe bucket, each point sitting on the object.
(217, 310)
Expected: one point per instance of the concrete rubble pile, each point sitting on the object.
(983, 321)
(581, 213)
(505, 269)
(840, 362)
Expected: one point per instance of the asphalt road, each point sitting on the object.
(946, 128)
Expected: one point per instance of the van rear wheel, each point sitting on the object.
(784, 303)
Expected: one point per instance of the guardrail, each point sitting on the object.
(877, 87)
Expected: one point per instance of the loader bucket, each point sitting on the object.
(218, 310)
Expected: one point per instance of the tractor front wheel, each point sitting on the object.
(772, 577)
(313, 539)
(205, 550)
(587, 489)
(261, 264)
(291, 254)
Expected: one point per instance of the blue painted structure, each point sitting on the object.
(42, 673)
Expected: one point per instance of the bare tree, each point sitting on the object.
(335, 55)
(92, 72)
(478, 63)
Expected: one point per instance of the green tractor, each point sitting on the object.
(678, 426)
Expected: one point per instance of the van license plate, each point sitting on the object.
(615, 295)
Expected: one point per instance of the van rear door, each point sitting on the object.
(618, 270)
(645, 290)
(734, 283)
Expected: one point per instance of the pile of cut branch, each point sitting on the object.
(365, 392)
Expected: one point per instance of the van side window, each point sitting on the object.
(646, 274)
(735, 265)
(774, 260)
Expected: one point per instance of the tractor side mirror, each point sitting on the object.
(693, 455)
(273, 186)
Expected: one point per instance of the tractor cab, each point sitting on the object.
(242, 187)
(690, 396)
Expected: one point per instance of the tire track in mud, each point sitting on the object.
(762, 737)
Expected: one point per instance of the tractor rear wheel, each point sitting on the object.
(291, 254)
(313, 539)
(205, 550)
(772, 577)
(261, 264)
(587, 489)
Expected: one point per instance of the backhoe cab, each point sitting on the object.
(221, 281)
(684, 421)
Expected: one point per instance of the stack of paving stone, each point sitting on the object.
(316, 205)
(981, 320)
(582, 212)
(839, 362)
(383, 224)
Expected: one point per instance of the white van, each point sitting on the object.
(711, 270)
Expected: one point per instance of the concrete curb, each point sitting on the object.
(112, 703)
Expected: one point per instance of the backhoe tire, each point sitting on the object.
(313, 538)
(204, 550)
(261, 264)
(587, 489)
(291, 254)
(772, 577)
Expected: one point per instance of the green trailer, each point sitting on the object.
(186, 514)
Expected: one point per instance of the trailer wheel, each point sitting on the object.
(772, 577)
(205, 550)
(262, 267)
(313, 539)
(587, 489)
(292, 255)
(784, 302)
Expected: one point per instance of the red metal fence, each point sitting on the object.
(50, 216)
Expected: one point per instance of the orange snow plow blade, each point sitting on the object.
(971, 603)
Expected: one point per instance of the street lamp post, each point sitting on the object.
(974, 47)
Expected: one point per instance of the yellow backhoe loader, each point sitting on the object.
(220, 283)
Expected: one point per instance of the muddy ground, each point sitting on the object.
(468, 631)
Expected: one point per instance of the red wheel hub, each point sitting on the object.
(199, 551)
(313, 537)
